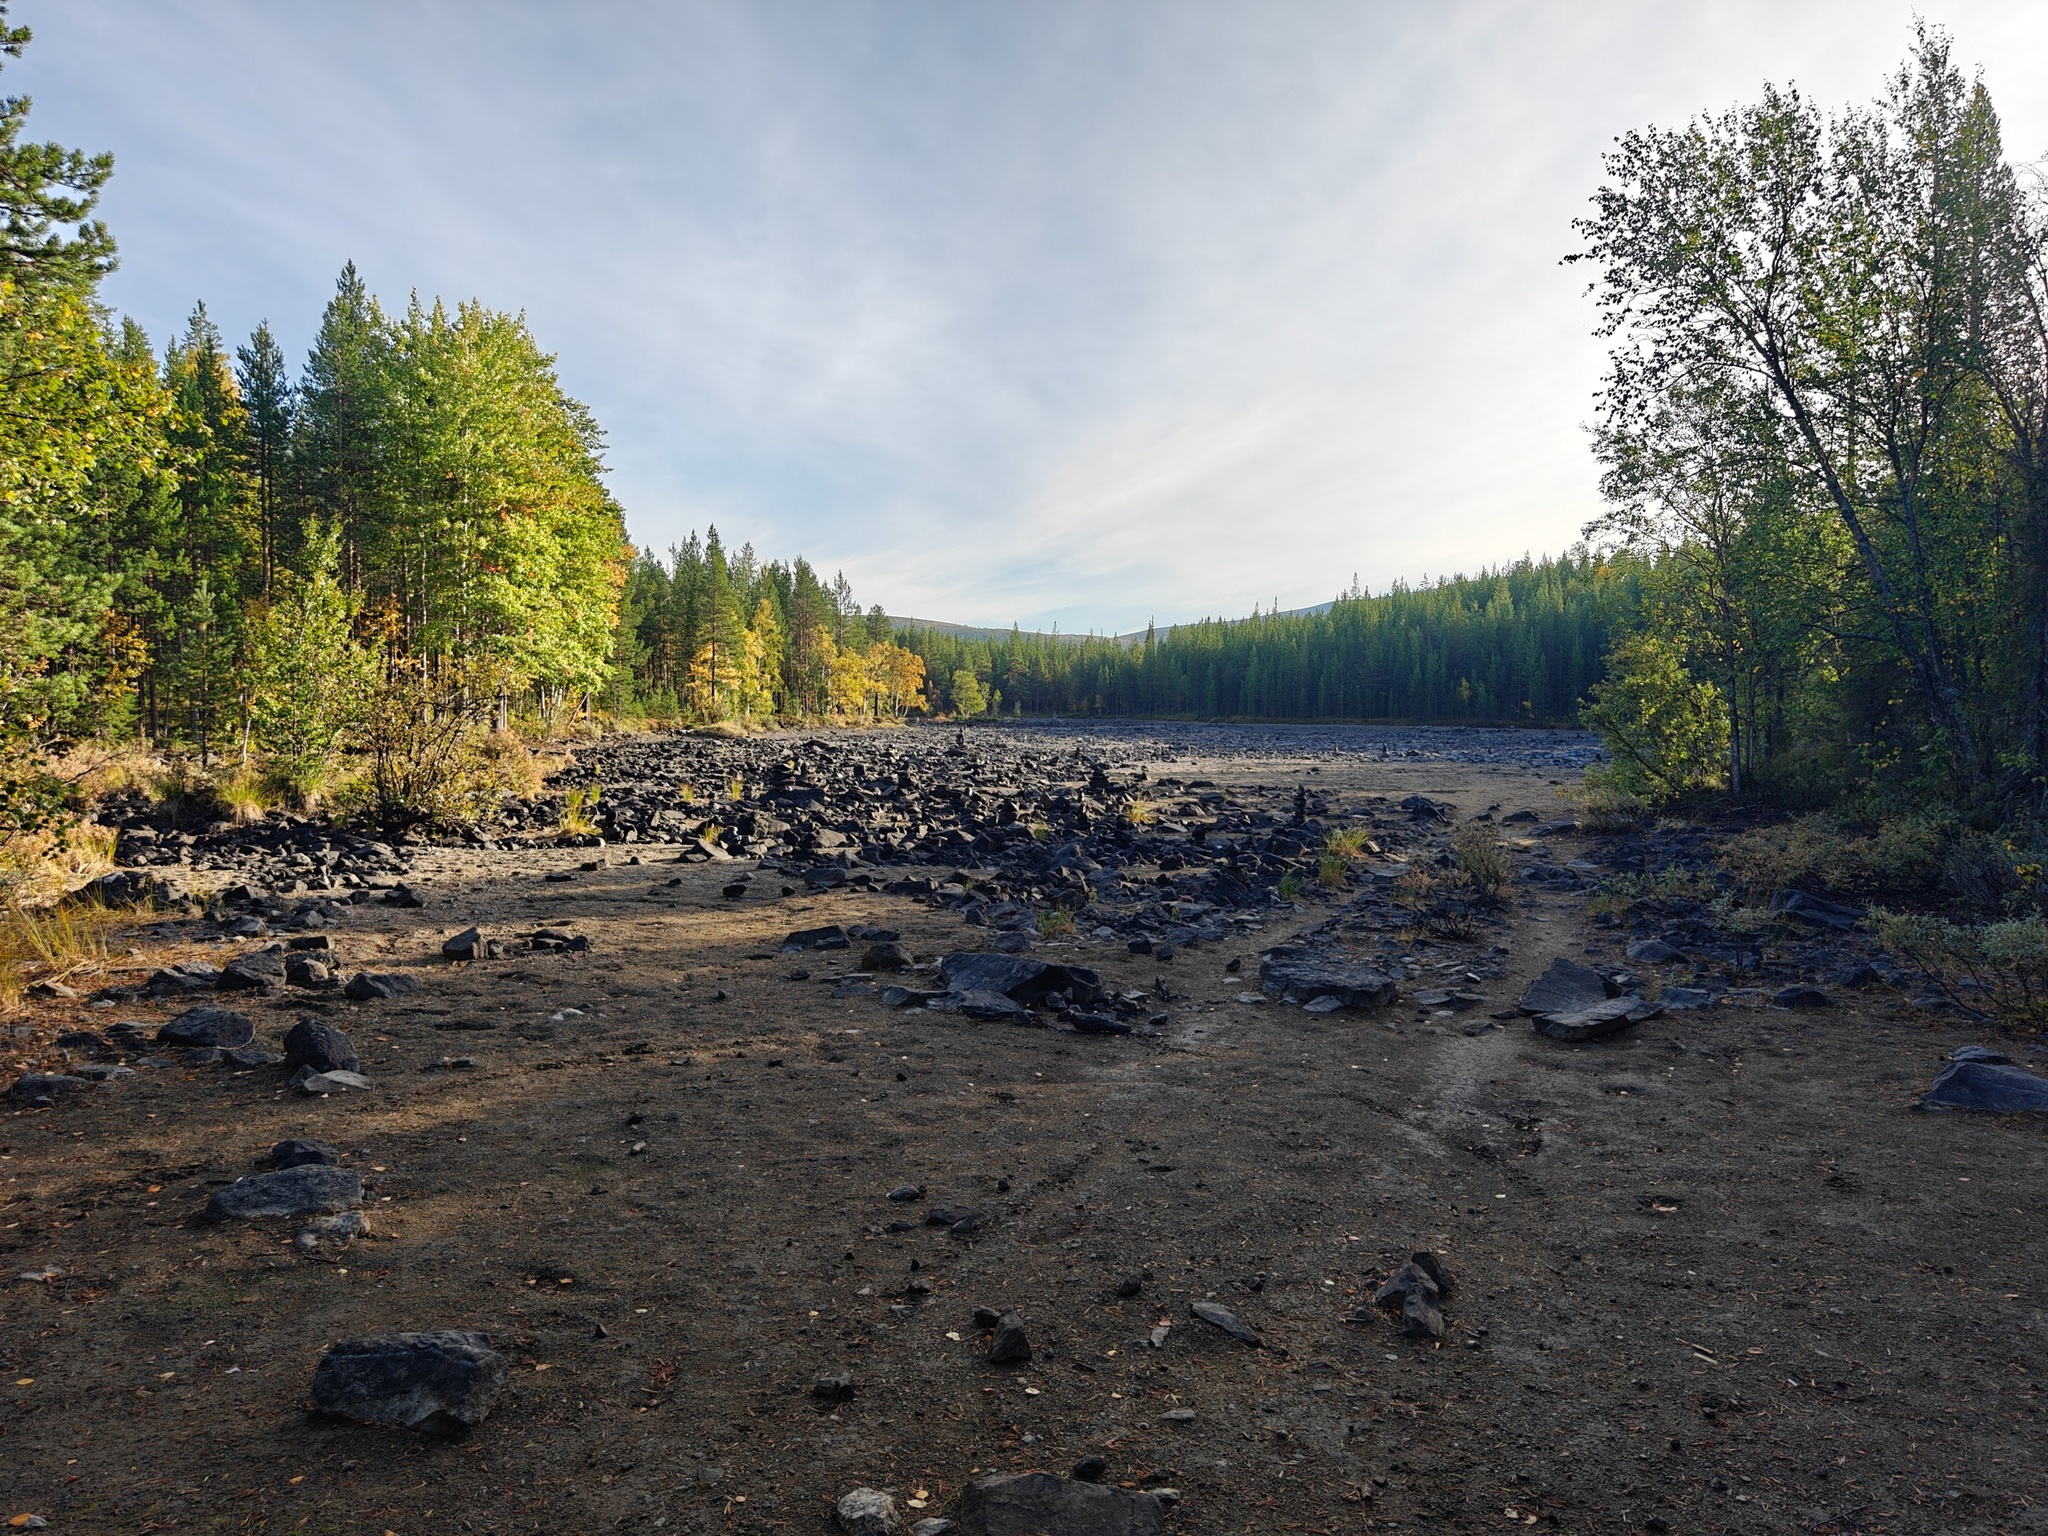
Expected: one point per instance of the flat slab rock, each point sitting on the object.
(1296, 975)
(1609, 1017)
(440, 1383)
(1986, 1081)
(308, 1189)
(1567, 987)
(368, 986)
(1034, 1503)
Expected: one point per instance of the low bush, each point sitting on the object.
(1898, 857)
(1483, 859)
(1999, 969)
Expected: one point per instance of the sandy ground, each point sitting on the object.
(1712, 1275)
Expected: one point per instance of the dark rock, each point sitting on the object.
(208, 1025)
(1567, 987)
(202, 1056)
(1128, 1285)
(1815, 911)
(1089, 1469)
(1019, 977)
(1416, 1288)
(258, 970)
(1098, 1024)
(300, 1152)
(837, 1388)
(308, 1189)
(1686, 997)
(1032, 1503)
(989, 1006)
(1596, 1022)
(1225, 1319)
(1985, 1081)
(1654, 952)
(1010, 1343)
(955, 1218)
(1140, 946)
(908, 997)
(403, 896)
(319, 1045)
(307, 971)
(187, 976)
(44, 1088)
(885, 957)
(367, 986)
(1297, 975)
(907, 1192)
(251, 1056)
(834, 937)
(440, 1383)
(466, 945)
(1800, 997)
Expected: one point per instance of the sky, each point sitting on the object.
(1081, 314)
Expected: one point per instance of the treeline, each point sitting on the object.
(1825, 427)
(1522, 644)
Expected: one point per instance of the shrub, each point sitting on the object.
(1292, 886)
(1606, 806)
(1487, 864)
(1901, 856)
(1978, 872)
(2005, 964)
(1054, 923)
(1439, 900)
(426, 744)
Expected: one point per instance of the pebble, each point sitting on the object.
(1222, 1317)
(868, 1512)
(1010, 1343)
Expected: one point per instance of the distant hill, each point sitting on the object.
(977, 632)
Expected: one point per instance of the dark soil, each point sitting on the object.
(1711, 1274)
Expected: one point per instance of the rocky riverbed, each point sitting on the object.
(851, 1123)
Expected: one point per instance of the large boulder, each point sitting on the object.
(1295, 974)
(208, 1025)
(308, 1189)
(1610, 1016)
(1033, 1503)
(440, 1383)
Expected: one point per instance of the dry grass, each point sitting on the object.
(51, 943)
(1142, 812)
(576, 807)
(1054, 923)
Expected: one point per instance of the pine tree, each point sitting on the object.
(268, 397)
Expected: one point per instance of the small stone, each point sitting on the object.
(868, 1512)
(343, 1228)
(1010, 1343)
(932, 1526)
(42, 1276)
(1179, 1416)
(309, 1082)
(1654, 952)
(1225, 1319)
(1801, 997)
(259, 971)
(1128, 1285)
(1089, 1469)
(885, 957)
(307, 971)
(439, 1383)
(836, 1388)
(907, 1192)
(298, 1152)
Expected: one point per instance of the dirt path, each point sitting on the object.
(1712, 1274)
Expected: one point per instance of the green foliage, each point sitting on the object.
(1898, 856)
(1826, 423)
(1485, 862)
(1667, 730)
(1523, 643)
(43, 189)
(308, 681)
(2000, 968)
(577, 804)
(968, 696)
